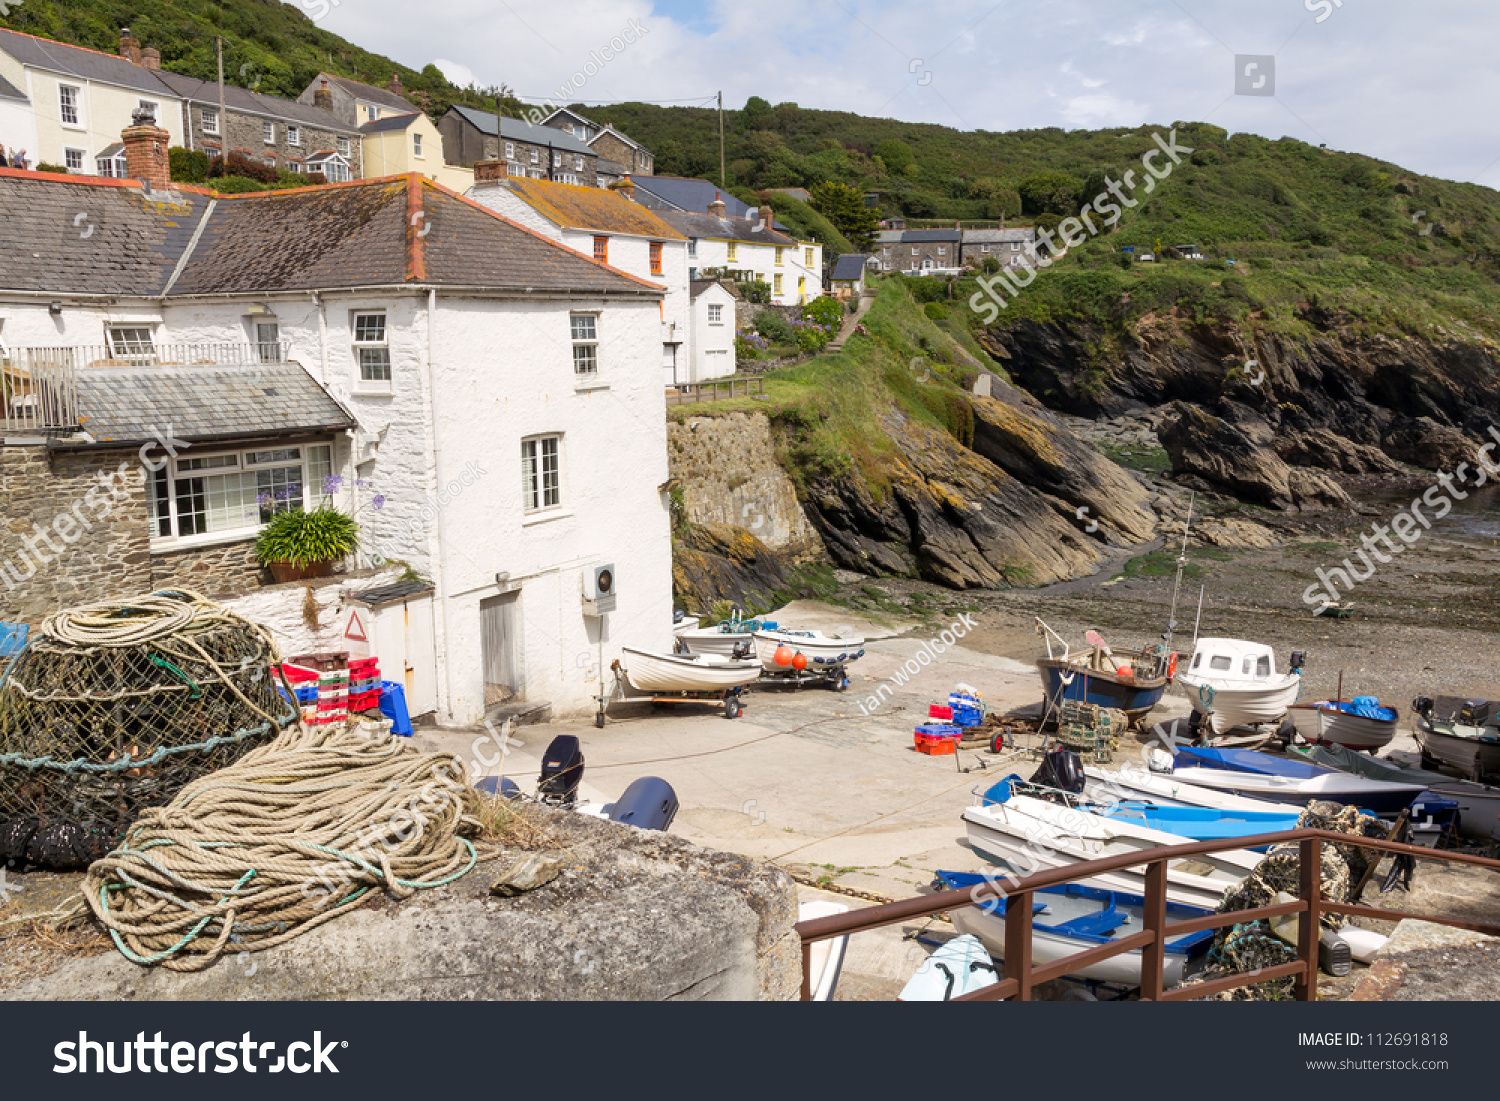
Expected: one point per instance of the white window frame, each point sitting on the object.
(111, 167)
(372, 113)
(134, 344)
(984, 248)
(208, 120)
(567, 178)
(267, 346)
(578, 163)
(267, 132)
(536, 156)
(583, 335)
(371, 383)
(69, 158)
(693, 248)
(416, 146)
(341, 145)
(1015, 246)
(537, 496)
(293, 134)
(716, 313)
(65, 104)
(916, 250)
(226, 463)
(510, 150)
(269, 160)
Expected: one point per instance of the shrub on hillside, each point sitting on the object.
(774, 327)
(936, 311)
(824, 311)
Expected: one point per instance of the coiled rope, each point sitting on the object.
(295, 833)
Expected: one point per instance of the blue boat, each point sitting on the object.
(1131, 681)
(1261, 776)
(1071, 918)
(1202, 823)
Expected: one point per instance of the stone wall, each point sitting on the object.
(729, 474)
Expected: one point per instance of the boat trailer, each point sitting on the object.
(730, 699)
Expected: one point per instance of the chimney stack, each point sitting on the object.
(151, 58)
(626, 186)
(130, 49)
(395, 85)
(767, 217)
(323, 97)
(146, 150)
(491, 171)
(717, 207)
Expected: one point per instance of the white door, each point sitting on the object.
(401, 636)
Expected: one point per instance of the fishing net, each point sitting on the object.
(114, 707)
(1252, 946)
(1086, 728)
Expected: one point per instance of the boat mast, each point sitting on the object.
(1181, 564)
(1199, 620)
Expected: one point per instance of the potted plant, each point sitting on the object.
(297, 544)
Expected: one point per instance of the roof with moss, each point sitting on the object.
(600, 210)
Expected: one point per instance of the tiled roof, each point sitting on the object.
(77, 61)
(369, 93)
(928, 236)
(206, 93)
(592, 208)
(487, 122)
(347, 235)
(995, 236)
(850, 266)
(699, 286)
(725, 229)
(10, 91)
(390, 122)
(130, 404)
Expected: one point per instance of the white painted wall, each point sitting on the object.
(710, 338)
(18, 128)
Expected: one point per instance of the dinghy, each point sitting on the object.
(1132, 681)
(1235, 683)
(1279, 780)
(686, 673)
(1464, 734)
(730, 636)
(959, 967)
(1200, 823)
(1069, 919)
(1163, 789)
(1027, 834)
(1478, 804)
(1358, 724)
(827, 956)
(819, 652)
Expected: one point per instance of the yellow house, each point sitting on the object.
(410, 143)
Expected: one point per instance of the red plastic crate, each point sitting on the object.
(935, 745)
(365, 701)
(938, 711)
(364, 668)
(297, 674)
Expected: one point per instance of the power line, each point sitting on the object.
(612, 102)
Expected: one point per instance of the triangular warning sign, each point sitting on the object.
(356, 629)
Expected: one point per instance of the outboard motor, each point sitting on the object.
(502, 786)
(1297, 661)
(1061, 769)
(648, 802)
(1423, 706)
(1474, 713)
(562, 771)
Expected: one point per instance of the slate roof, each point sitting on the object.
(850, 266)
(391, 122)
(389, 594)
(345, 235)
(592, 208)
(369, 93)
(206, 93)
(690, 196)
(998, 236)
(725, 229)
(129, 404)
(77, 61)
(699, 286)
(487, 122)
(889, 236)
(10, 91)
(928, 236)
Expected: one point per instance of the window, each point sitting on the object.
(1197, 660)
(371, 350)
(655, 257)
(734, 252)
(540, 486)
(779, 253)
(294, 166)
(73, 159)
(237, 491)
(578, 163)
(416, 145)
(516, 170)
(915, 251)
(269, 161)
(807, 258)
(209, 120)
(715, 313)
(581, 133)
(601, 249)
(984, 248)
(334, 170)
(268, 341)
(567, 178)
(342, 145)
(510, 150)
(1015, 246)
(886, 249)
(942, 250)
(268, 131)
(294, 135)
(584, 328)
(67, 105)
(111, 166)
(371, 113)
(1220, 663)
(693, 247)
(557, 159)
(133, 344)
(535, 156)
(776, 288)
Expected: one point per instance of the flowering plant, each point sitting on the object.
(303, 537)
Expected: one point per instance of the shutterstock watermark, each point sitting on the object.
(931, 648)
(567, 91)
(1108, 204)
(1408, 526)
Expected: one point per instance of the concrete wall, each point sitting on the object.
(729, 474)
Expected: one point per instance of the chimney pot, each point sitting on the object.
(395, 85)
(130, 49)
(151, 58)
(717, 208)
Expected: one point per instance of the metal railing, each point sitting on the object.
(1021, 977)
(693, 392)
(134, 353)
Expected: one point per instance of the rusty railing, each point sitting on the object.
(1021, 976)
(694, 392)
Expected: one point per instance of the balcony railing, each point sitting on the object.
(39, 386)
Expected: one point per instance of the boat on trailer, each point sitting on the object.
(1361, 723)
(1072, 918)
(1235, 683)
(807, 655)
(1463, 734)
(1478, 804)
(730, 638)
(652, 672)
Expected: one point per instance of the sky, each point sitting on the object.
(1409, 81)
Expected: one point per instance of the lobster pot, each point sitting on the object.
(1090, 730)
(112, 708)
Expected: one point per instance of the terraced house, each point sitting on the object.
(177, 374)
(619, 155)
(529, 151)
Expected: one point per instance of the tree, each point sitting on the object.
(753, 115)
(1049, 193)
(896, 155)
(844, 206)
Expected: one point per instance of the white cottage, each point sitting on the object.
(499, 393)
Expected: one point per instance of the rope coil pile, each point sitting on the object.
(113, 707)
(295, 833)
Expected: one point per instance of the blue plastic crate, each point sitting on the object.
(12, 638)
(393, 707)
(967, 716)
(939, 730)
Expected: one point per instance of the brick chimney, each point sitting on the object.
(395, 85)
(717, 207)
(625, 186)
(323, 97)
(151, 58)
(491, 171)
(146, 150)
(130, 49)
(767, 216)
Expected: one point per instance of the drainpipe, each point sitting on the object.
(442, 645)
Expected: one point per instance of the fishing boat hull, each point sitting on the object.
(1063, 680)
(1329, 726)
(1478, 804)
(823, 652)
(1163, 789)
(1334, 787)
(671, 673)
(1026, 835)
(709, 640)
(1229, 705)
(1475, 757)
(1071, 905)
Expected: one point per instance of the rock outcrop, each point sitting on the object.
(712, 562)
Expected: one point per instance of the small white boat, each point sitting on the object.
(1027, 835)
(1358, 724)
(1070, 918)
(1282, 780)
(1235, 683)
(1163, 789)
(779, 650)
(827, 956)
(711, 640)
(1463, 734)
(686, 673)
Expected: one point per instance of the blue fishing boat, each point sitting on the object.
(1132, 681)
(1261, 776)
(1200, 823)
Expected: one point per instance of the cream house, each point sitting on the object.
(399, 144)
(82, 99)
(747, 248)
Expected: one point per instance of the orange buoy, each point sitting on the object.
(782, 656)
(799, 662)
(1172, 665)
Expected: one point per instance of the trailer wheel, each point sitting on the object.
(840, 683)
(599, 720)
(731, 708)
(997, 743)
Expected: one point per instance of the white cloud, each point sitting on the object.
(457, 72)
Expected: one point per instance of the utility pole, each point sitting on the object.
(223, 118)
(723, 176)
